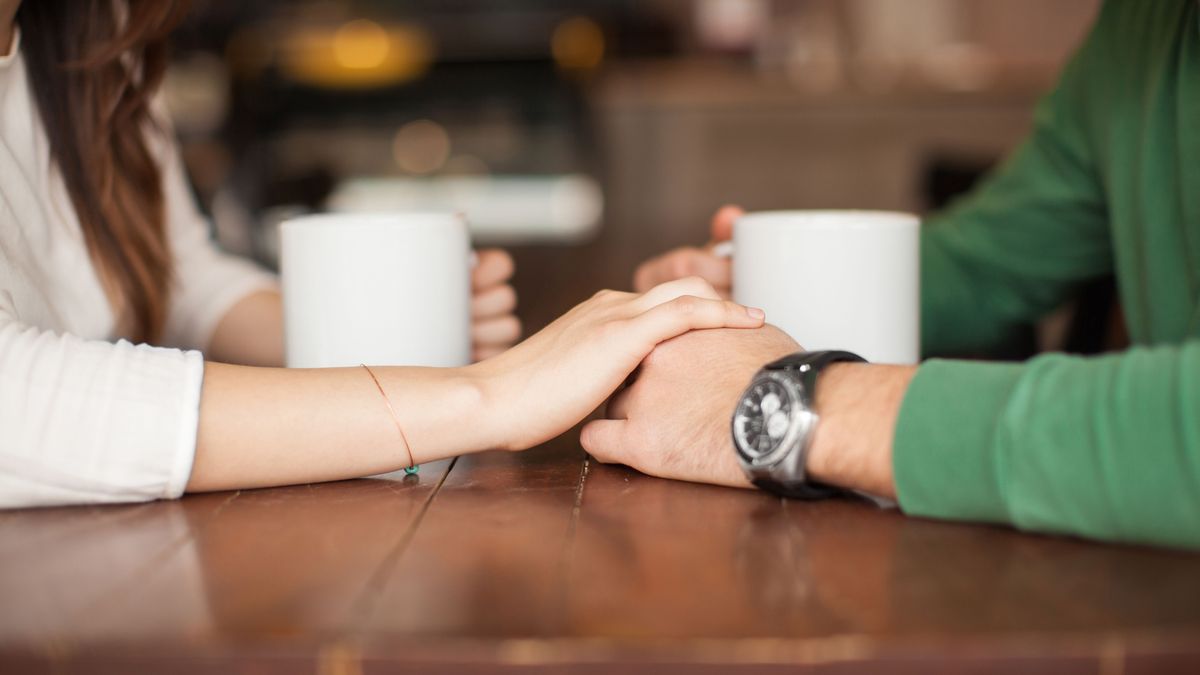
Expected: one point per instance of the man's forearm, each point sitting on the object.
(858, 405)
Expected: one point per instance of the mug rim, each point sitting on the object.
(373, 218)
(829, 218)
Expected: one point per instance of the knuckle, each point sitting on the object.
(686, 304)
(698, 285)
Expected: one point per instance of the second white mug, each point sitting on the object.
(834, 279)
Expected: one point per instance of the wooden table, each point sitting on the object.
(548, 562)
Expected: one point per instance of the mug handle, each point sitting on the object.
(723, 249)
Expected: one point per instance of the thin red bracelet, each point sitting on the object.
(395, 418)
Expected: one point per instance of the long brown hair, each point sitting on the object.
(93, 67)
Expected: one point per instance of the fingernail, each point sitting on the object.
(756, 313)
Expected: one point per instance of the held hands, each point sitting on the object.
(494, 327)
(552, 380)
(691, 261)
(674, 420)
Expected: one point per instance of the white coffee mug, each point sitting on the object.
(834, 279)
(380, 289)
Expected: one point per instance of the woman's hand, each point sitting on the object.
(494, 327)
(691, 261)
(543, 386)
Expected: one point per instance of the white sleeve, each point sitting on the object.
(208, 282)
(85, 422)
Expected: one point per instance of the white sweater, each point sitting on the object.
(84, 415)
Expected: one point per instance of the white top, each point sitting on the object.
(84, 415)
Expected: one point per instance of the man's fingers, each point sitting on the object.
(689, 261)
(495, 301)
(669, 266)
(682, 263)
(716, 271)
(604, 440)
(490, 332)
(722, 222)
(495, 266)
(651, 273)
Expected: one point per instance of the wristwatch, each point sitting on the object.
(774, 423)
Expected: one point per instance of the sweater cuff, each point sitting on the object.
(944, 458)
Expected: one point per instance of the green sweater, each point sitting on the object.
(1105, 447)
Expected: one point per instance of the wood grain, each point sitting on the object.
(488, 560)
(547, 562)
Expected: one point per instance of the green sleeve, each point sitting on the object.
(1103, 447)
(1013, 249)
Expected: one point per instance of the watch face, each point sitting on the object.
(763, 418)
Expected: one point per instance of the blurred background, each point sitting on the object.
(586, 135)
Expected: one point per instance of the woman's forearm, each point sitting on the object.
(270, 426)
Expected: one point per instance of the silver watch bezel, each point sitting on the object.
(800, 425)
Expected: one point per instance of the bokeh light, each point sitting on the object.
(577, 44)
(357, 54)
(361, 44)
(421, 147)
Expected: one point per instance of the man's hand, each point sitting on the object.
(694, 262)
(673, 421)
(494, 327)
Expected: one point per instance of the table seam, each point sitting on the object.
(364, 606)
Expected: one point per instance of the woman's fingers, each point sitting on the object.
(689, 312)
(484, 352)
(494, 267)
(503, 331)
(493, 302)
(493, 327)
(670, 290)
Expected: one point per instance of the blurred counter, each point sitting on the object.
(681, 138)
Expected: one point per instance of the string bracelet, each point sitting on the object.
(412, 465)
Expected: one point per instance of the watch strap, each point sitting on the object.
(808, 365)
(814, 361)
